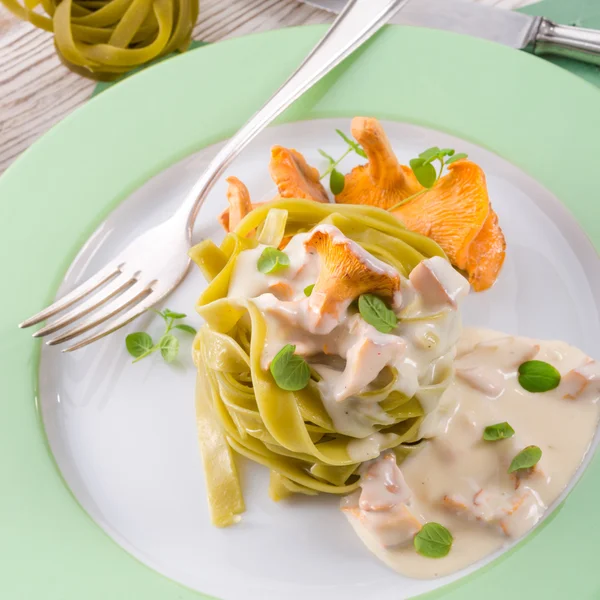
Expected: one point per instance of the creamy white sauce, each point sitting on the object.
(347, 352)
(461, 481)
(370, 447)
(455, 478)
(288, 284)
(354, 417)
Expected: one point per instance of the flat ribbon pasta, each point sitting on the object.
(291, 433)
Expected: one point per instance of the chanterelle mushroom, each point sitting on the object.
(383, 182)
(239, 204)
(456, 212)
(294, 177)
(346, 272)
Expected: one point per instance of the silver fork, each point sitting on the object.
(156, 262)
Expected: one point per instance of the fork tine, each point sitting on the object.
(129, 316)
(131, 297)
(82, 290)
(114, 288)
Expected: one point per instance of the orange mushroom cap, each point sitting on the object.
(453, 212)
(486, 254)
(456, 213)
(294, 177)
(238, 198)
(383, 182)
(347, 271)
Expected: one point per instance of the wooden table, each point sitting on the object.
(37, 91)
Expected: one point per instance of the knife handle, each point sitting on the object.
(573, 42)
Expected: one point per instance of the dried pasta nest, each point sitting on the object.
(103, 39)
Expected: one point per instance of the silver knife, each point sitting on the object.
(533, 34)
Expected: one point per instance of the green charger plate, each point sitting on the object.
(541, 118)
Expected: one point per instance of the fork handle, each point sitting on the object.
(359, 20)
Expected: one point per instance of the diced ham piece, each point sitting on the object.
(383, 485)
(438, 283)
(487, 380)
(365, 358)
(392, 527)
(515, 351)
(514, 514)
(383, 506)
(526, 510)
(582, 382)
(486, 366)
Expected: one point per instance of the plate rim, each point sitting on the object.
(104, 569)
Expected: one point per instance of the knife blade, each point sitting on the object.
(498, 25)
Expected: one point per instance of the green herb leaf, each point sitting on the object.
(375, 312)
(138, 343)
(430, 154)
(186, 328)
(433, 541)
(336, 182)
(499, 431)
(169, 347)
(538, 376)
(354, 145)
(169, 314)
(308, 290)
(272, 260)
(423, 168)
(425, 173)
(327, 156)
(290, 372)
(456, 157)
(159, 313)
(527, 458)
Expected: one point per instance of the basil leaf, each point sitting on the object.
(291, 372)
(186, 328)
(272, 260)
(538, 376)
(336, 182)
(138, 343)
(425, 173)
(169, 347)
(527, 458)
(499, 431)
(433, 541)
(456, 157)
(169, 314)
(308, 290)
(375, 312)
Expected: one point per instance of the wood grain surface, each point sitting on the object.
(37, 91)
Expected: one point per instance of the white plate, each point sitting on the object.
(124, 435)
